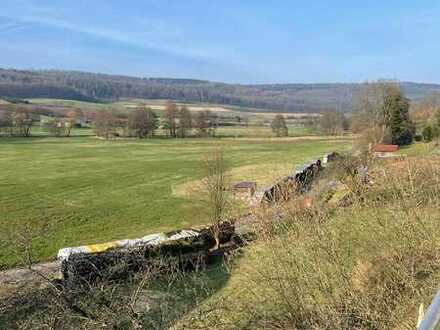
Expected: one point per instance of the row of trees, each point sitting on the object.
(20, 120)
(380, 115)
(16, 123)
(178, 122)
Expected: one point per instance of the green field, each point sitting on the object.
(89, 191)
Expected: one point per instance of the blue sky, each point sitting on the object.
(244, 41)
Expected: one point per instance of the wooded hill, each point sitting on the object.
(85, 86)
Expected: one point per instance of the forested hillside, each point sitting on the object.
(275, 97)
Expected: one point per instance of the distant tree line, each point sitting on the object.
(178, 122)
(91, 86)
(19, 121)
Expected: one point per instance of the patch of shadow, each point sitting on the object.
(166, 301)
(154, 302)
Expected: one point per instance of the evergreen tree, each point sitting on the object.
(396, 110)
(427, 133)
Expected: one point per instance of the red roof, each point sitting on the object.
(385, 148)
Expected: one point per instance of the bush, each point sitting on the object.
(405, 138)
(427, 133)
(418, 137)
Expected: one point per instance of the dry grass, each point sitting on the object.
(366, 266)
(262, 174)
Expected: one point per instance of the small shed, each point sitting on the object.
(244, 190)
(384, 150)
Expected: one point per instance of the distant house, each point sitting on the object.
(384, 150)
(244, 190)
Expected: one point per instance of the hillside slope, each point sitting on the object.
(367, 265)
(276, 97)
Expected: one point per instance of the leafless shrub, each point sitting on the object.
(147, 299)
(216, 184)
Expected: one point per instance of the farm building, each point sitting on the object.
(384, 150)
(244, 190)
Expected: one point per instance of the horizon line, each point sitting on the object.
(126, 75)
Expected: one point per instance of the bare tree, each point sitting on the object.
(59, 127)
(105, 124)
(185, 122)
(216, 185)
(203, 123)
(171, 114)
(142, 122)
(279, 126)
(23, 122)
(73, 118)
(381, 113)
(6, 123)
(332, 122)
(425, 109)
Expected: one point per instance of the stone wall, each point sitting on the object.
(298, 181)
(183, 249)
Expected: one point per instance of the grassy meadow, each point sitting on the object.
(83, 190)
(369, 264)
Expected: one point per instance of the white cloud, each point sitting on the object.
(141, 32)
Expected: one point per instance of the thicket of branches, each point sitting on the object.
(382, 114)
(332, 122)
(16, 123)
(279, 126)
